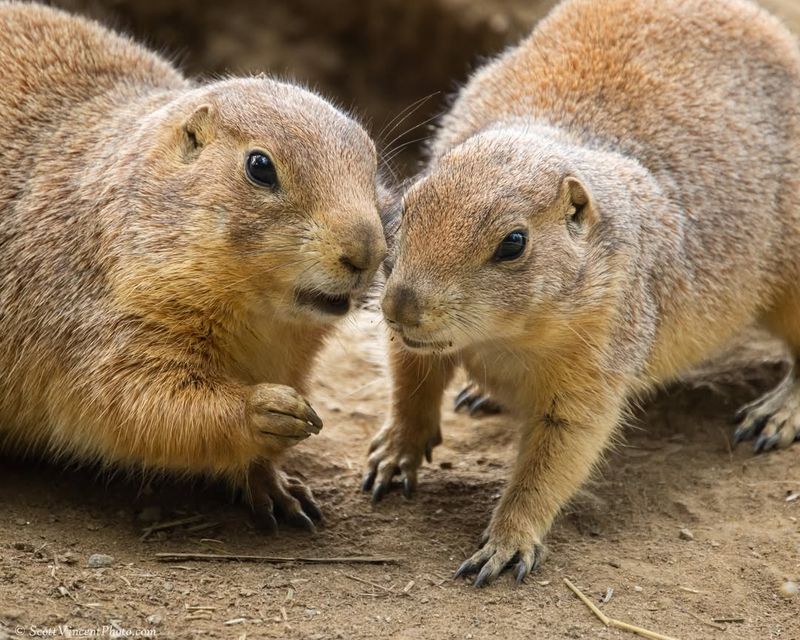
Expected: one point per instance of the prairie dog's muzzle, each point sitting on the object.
(401, 306)
(362, 248)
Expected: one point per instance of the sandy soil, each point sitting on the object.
(676, 469)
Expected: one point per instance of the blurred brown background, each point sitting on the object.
(374, 57)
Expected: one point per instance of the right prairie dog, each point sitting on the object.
(172, 256)
(606, 205)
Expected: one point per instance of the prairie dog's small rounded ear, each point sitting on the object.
(582, 212)
(197, 131)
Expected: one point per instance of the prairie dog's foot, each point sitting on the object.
(774, 419)
(506, 542)
(397, 451)
(281, 416)
(476, 401)
(272, 493)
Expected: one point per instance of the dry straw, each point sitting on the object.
(611, 622)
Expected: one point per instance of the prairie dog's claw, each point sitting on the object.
(273, 493)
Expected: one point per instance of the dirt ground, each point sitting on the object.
(675, 470)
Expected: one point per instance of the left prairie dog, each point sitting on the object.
(172, 257)
(606, 205)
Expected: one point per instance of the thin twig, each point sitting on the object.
(733, 620)
(611, 622)
(753, 485)
(213, 557)
(203, 526)
(705, 622)
(690, 590)
(170, 525)
(366, 582)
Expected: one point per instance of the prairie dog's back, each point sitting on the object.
(641, 75)
(656, 81)
(69, 59)
(53, 63)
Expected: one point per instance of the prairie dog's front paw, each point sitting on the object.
(504, 544)
(395, 450)
(281, 416)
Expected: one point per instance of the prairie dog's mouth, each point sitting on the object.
(420, 345)
(326, 303)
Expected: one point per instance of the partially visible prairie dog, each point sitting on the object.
(172, 256)
(606, 205)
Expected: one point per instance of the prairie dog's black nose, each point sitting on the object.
(363, 249)
(401, 306)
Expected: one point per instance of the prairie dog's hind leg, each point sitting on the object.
(774, 419)
(476, 401)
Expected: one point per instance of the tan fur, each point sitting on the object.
(651, 151)
(147, 287)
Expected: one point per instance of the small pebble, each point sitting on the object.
(637, 589)
(685, 534)
(70, 557)
(614, 564)
(789, 589)
(154, 620)
(23, 546)
(99, 560)
(21, 522)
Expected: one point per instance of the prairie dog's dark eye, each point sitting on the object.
(512, 246)
(261, 170)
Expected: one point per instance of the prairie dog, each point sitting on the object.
(605, 205)
(172, 256)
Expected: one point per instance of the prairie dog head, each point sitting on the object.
(494, 239)
(256, 192)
